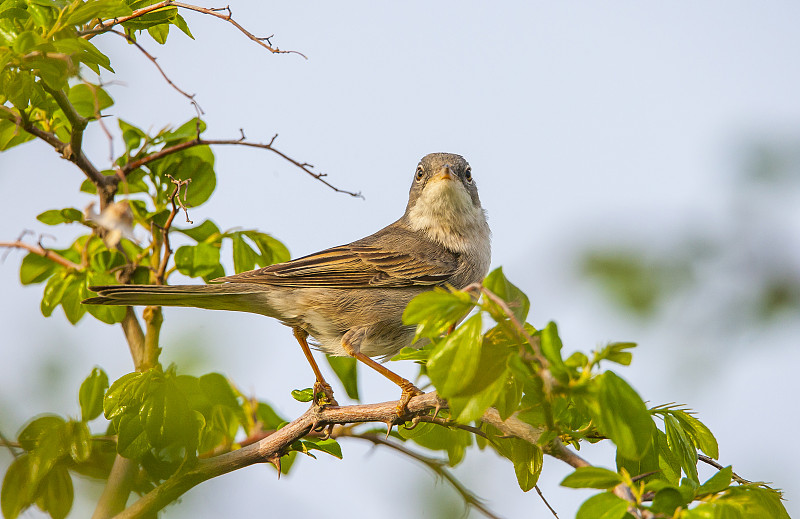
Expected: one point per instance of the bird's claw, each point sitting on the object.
(409, 392)
(323, 394)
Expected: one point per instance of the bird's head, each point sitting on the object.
(444, 203)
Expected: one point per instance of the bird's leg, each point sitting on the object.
(349, 343)
(320, 386)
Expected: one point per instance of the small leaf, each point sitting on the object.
(89, 100)
(35, 269)
(716, 483)
(80, 447)
(681, 446)
(91, 394)
(271, 250)
(592, 477)
(202, 232)
(36, 429)
(218, 390)
(517, 301)
(244, 257)
(16, 494)
(329, 445)
(603, 506)
(132, 442)
(57, 216)
(303, 395)
(55, 492)
(700, 435)
(159, 32)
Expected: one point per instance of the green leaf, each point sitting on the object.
(666, 501)
(196, 163)
(622, 416)
(35, 269)
(466, 409)
(55, 492)
(132, 442)
(268, 417)
(132, 136)
(87, 11)
(551, 349)
(515, 298)
(303, 395)
(33, 433)
(244, 257)
(91, 394)
(700, 435)
(80, 447)
(526, 457)
(180, 23)
(11, 135)
(509, 398)
(717, 483)
(16, 494)
(603, 506)
(159, 32)
(122, 394)
(57, 216)
(218, 390)
(89, 100)
(681, 446)
(202, 232)
(346, 370)
(197, 260)
(329, 445)
(436, 311)
(109, 314)
(455, 360)
(74, 292)
(272, 251)
(592, 477)
(165, 414)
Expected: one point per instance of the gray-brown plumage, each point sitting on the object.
(350, 298)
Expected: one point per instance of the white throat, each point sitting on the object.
(445, 213)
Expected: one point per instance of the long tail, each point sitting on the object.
(238, 297)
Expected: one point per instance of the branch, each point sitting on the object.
(49, 138)
(105, 26)
(41, 251)
(130, 166)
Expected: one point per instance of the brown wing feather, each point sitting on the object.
(352, 266)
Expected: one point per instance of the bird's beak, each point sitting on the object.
(446, 173)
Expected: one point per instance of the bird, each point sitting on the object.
(350, 299)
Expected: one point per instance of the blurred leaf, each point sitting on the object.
(218, 390)
(197, 260)
(35, 269)
(16, 494)
(700, 435)
(132, 135)
(80, 447)
(666, 501)
(437, 437)
(91, 394)
(244, 257)
(592, 477)
(329, 446)
(159, 32)
(132, 441)
(346, 370)
(55, 493)
(89, 100)
(526, 457)
(57, 216)
(165, 415)
(271, 250)
(36, 429)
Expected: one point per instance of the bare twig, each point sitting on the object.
(41, 251)
(106, 25)
(153, 59)
(539, 491)
(130, 166)
(435, 465)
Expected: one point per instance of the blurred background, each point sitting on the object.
(640, 165)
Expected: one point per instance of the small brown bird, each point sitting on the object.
(350, 299)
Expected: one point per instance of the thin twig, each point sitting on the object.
(710, 461)
(435, 465)
(153, 59)
(130, 166)
(41, 251)
(539, 491)
(162, 268)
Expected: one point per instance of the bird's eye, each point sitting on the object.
(420, 173)
(468, 175)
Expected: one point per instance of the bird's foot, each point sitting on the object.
(323, 394)
(409, 392)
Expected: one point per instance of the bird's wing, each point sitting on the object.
(376, 261)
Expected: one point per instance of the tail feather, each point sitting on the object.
(238, 297)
